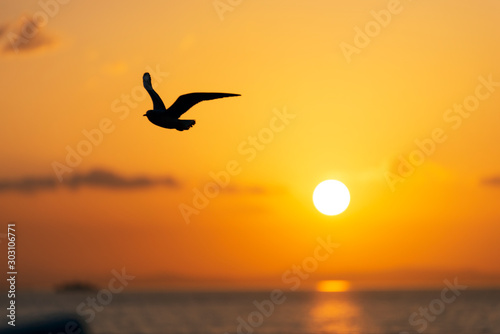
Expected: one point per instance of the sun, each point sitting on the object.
(331, 197)
(333, 286)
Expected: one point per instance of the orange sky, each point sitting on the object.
(351, 117)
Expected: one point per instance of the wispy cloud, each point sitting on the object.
(24, 35)
(97, 178)
(253, 190)
(245, 189)
(493, 181)
(3, 29)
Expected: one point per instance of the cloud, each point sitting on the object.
(493, 181)
(24, 35)
(257, 190)
(253, 190)
(97, 178)
(3, 29)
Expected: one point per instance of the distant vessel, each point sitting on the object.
(76, 287)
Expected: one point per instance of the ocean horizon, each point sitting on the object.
(270, 312)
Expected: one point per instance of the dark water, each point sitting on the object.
(299, 312)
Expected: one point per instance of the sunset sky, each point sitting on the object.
(320, 100)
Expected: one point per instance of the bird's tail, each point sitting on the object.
(184, 124)
(146, 80)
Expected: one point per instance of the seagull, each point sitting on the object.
(169, 118)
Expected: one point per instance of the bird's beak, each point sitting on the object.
(144, 115)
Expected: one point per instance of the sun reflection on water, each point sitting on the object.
(335, 313)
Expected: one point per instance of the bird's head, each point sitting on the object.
(148, 113)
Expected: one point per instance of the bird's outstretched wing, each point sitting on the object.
(186, 101)
(157, 102)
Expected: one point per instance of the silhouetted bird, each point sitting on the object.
(169, 118)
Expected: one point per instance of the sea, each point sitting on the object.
(272, 312)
